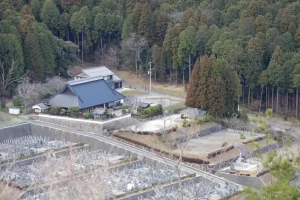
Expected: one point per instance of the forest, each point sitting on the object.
(251, 48)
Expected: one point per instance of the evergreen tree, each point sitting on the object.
(160, 29)
(34, 61)
(145, 26)
(216, 91)
(192, 91)
(203, 89)
(50, 14)
(187, 46)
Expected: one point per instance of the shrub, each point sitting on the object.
(45, 111)
(207, 118)
(88, 116)
(242, 137)
(63, 112)
(85, 115)
(73, 111)
(224, 144)
(153, 110)
(185, 123)
(55, 110)
(3, 104)
(243, 116)
(140, 110)
(123, 111)
(18, 101)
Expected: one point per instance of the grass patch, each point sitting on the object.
(130, 78)
(132, 93)
(175, 108)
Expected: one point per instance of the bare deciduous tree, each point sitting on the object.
(112, 56)
(136, 45)
(27, 91)
(10, 76)
(54, 84)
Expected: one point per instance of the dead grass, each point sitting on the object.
(132, 93)
(130, 78)
(9, 192)
(9, 120)
(174, 108)
(149, 140)
(156, 141)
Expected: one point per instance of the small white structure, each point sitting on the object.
(38, 108)
(14, 111)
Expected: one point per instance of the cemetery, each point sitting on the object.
(57, 161)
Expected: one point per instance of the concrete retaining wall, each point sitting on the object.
(198, 134)
(14, 131)
(95, 144)
(254, 182)
(76, 124)
(151, 192)
(88, 125)
(263, 150)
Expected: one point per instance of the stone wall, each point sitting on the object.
(14, 131)
(94, 126)
(76, 124)
(250, 181)
(198, 134)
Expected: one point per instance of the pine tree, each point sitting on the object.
(232, 85)
(34, 61)
(50, 14)
(135, 15)
(187, 46)
(216, 93)
(145, 26)
(160, 29)
(202, 92)
(157, 62)
(191, 97)
(297, 37)
(185, 18)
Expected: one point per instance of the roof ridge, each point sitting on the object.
(85, 80)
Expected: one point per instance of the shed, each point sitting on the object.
(38, 108)
(14, 111)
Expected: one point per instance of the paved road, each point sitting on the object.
(139, 151)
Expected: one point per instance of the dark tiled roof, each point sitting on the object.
(64, 100)
(95, 93)
(88, 92)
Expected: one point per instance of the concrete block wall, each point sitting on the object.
(14, 131)
(75, 124)
(254, 182)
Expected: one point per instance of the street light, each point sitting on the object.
(150, 74)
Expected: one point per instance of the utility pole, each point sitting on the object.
(150, 74)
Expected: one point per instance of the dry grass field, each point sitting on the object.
(130, 78)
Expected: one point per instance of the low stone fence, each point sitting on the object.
(142, 119)
(198, 134)
(219, 151)
(243, 132)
